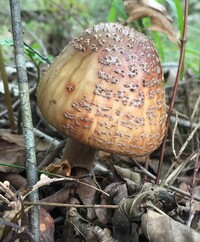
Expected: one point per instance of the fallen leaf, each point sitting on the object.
(11, 155)
(12, 216)
(12, 151)
(61, 196)
(46, 226)
(60, 167)
(157, 227)
(160, 20)
(117, 191)
(87, 196)
(7, 135)
(151, 195)
(153, 4)
(127, 173)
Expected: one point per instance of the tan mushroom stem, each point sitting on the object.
(79, 155)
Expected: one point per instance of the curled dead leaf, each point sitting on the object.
(60, 167)
(134, 207)
(160, 20)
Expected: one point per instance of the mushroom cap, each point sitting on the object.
(106, 90)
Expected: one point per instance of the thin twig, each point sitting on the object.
(173, 175)
(173, 135)
(34, 214)
(173, 188)
(17, 102)
(187, 141)
(183, 43)
(196, 169)
(18, 228)
(46, 137)
(95, 206)
(45, 180)
(184, 123)
(5, 200)
(84, 227)
(7, 93)
(8, 192)
(193, 79)
(195, 107)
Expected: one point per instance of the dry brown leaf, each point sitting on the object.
(161, 22)
(6, 134)
(12, 150)
(153, 4)
(87, 195)
(150, 195)
(127, 173)
(46, 226)
(162, 228)
(61, 196)
(16, 180)
(12, 216)
(60, 167)
(11, 154)
(117, 192)
(186, 187)
(196, 204)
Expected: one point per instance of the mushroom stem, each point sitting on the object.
(79, 155)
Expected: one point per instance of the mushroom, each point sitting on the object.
(105, 91)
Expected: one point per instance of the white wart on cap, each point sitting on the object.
(106, 90)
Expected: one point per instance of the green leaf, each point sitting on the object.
(117, 10)
(113, 11)
(6, 42)
(192, 51)
(159, 45)
(33, 54)
(178, 12)
(35, 46)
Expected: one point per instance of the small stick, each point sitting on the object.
(17, 102)
(173, 188)
(18, 228)
(196, 169)
(183, 43)
(187, 141)
(95, 206)
(183, 122)
(53, 153)
(29, 142)
(173, 136)
(7, 93)
(195, 108)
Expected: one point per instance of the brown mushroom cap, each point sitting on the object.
(106, 90)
